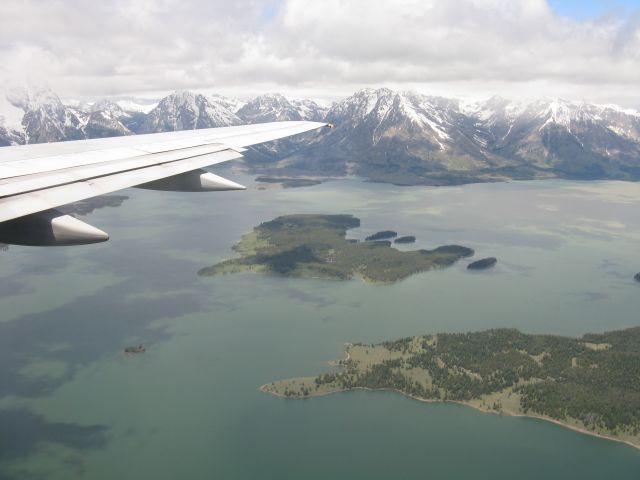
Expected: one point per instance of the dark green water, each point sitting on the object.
(72, 406)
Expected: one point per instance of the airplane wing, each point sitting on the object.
(35, 179)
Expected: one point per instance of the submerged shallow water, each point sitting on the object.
(73, 406)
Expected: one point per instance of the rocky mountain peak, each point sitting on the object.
(274, 107)
(269, 108)
(45, 118)
(107, 106)
(185, 110)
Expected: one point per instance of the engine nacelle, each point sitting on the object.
(193, 181)
(49, 228)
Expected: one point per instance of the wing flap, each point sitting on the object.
(39, 158)
(39, 181)
(35, 201)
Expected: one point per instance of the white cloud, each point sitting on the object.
(320, 48)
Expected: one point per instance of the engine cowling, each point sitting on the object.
(49, 228)
(193, 181)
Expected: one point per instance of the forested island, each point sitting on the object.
(286, 182)
(405, 239)
(483, 263)
(383, 235)
(315, 246)
(135, 350)
(590, 384)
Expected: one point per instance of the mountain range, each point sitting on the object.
(382, 135)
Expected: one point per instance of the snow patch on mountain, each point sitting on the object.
(109, 107)
(309, 109)
(136, 105)
(560, 113)
(231, 104)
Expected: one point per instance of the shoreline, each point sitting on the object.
(265, 389)
(336, 363)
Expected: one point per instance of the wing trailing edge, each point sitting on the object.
(35, 179)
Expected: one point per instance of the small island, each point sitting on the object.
(314, 246)
(383, 235)
(589, 384)
(483, 263)
(286, 182)
(405, 239)
(135, 350)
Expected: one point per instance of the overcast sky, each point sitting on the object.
(576, 49)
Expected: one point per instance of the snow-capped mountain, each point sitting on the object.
(106, 119)
(11, 130)
(113, 109)
(310, 110)
(272, 108)
(185, 110)
(45, 118)
(383, 135)
(40, 116)
(569, 138)
(424, 123)
(231, 104)
(275, 107)
(407, 137)
(10, 136)
(386, 135)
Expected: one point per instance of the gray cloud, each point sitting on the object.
(320, 48)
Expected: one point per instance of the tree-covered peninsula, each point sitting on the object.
(315, 246)
(591, 384)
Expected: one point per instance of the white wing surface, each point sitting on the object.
(34, 179)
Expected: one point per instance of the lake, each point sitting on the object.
(72, 405)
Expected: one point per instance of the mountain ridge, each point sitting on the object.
(401, 137)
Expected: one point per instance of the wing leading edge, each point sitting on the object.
(35, 179)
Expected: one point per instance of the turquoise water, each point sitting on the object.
(72, 406)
